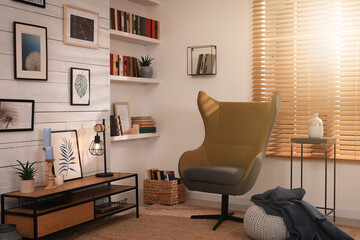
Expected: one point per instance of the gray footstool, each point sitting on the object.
(261, 226)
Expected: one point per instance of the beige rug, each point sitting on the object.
(164, 223)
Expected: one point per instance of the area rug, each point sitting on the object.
(163, 223)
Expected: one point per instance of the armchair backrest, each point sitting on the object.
(236, 132)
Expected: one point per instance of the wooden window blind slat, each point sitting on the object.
(309, 50)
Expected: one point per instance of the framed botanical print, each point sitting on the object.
(66, 153)
(80, 86)
(16, 115)
(30, 51)
(38, 3)
(81, 27)
(122, 110)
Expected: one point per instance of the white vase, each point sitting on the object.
(27, 186)
(315, 127)
(59, 180)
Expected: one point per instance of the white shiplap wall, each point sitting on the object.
(52, 97)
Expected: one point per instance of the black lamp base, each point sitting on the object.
(108, 174)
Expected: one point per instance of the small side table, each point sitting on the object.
(321, 141)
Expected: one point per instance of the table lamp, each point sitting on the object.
(98, 147)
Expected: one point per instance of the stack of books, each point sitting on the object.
(205, 63)
(156, 174)
(146, 124)
(131, 23)
(124, 66)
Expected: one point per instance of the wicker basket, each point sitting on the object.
(163, 192)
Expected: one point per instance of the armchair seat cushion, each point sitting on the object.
(223, 175)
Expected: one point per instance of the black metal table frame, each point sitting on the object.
(331, 210)
(35, 214)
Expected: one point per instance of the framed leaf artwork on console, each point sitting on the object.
(66, 153)
(80, 86)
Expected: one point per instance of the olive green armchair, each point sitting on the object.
(229, 160)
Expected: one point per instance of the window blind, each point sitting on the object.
(309, 51)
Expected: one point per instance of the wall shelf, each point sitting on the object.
(146, 2)
(134, 136)
(114, 78)
(133, 38)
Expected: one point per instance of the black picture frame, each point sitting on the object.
(30, 52)
(79, 86)
(60, 142)
(16, 115)
(33, 2)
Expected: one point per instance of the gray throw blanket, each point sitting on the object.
(302, 219)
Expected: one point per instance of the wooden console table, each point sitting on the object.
(43, 212)
(322, 141)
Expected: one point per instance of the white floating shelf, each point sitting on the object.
(134, 79)
(134, 136)
(146, 2)
(129, 37)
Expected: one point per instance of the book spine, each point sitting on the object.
(153, 28)
(142, 26)
(122, 21)
(125, 22)
(121, 66)
(112, 18)
(118, 20)
(116, 64)
(111, 63)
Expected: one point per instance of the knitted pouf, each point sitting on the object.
(261, 226)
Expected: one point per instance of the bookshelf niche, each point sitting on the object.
(201, 60)
(138, 29)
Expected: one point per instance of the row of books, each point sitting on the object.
(156, 174)
(205, 63)
(146, 124)
(131, 23)
(124, 66)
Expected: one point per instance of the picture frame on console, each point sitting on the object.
(81, 27)
(16, 115)
(67, 155)
(30, 51)
(80, 86)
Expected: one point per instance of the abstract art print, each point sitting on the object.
(39, 3)
(66, 153)
(16, 115)
(80, 86)
(81, 27)
(30, 52)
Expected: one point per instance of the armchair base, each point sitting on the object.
(225, 214)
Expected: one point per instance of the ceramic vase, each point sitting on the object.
(315, 127)
(9, 232)
(146, 72)
(27, 186)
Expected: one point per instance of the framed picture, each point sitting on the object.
(30, 51)
(123, 110)
(39, 3)
(16, 115)
(80, 86)
(66, 153)
(81, 27)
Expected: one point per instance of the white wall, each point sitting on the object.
(226, 24)
(52, 97)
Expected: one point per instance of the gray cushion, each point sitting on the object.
(215, 174)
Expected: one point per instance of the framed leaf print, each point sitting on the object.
(80, 86)
(66, 153)
(30, 52)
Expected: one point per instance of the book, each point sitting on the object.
(171, 175)
(199, 63)
(112, 126)
(112, 19)
(111, 64)
(209, 63)
(140, 117)
(142, 26)
(115, 64)
(118, 22)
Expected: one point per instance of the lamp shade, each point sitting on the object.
(96, 147)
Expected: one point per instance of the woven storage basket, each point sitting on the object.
(163, 192)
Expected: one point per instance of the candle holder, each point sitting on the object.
(49, 176)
